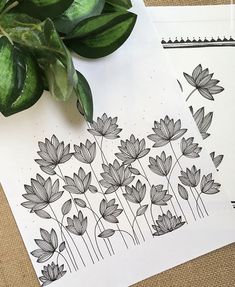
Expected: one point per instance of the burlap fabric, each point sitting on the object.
(213, 270)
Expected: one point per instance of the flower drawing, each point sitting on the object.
(216, 159)
(159, 196)
(114, 176)
(202, 81)
(105, 127)
(80, 183)
(161, 165)
(77, 225)
(167, 223)
(208, 185)
(109, 210)
(166, 131)
(131, 150)
(51, 273)
(52, 153)
(47, 245)
(85, 152)
(41, 193)
(190, 177)
(203, 121)
(135, 194)
(189, 148)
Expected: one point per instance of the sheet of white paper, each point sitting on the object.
(200, 23)
(135, 85)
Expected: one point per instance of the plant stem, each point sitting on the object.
(95, 220)
(191, 210)
(137, 240)
(89, 238)
(199, 197)
(96, 238)
(197, 205)
(151, 212)
(123, 231)
(88, 250)
(65, 239)
(191, 94)
(177, 162)
(60, 254)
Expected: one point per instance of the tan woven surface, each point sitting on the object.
(213, 270)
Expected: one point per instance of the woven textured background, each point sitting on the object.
(213, 270)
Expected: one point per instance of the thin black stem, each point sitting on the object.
(89, 238)
(128, 203)
(197, 206)
(101, 150)
(88, 250)
(199, 197)
(65, 239)
(151, 212)
(191, 94)
(145, 175)
(60, 254)
(123, 231)
(97, 223)
(62, 176)
(147, 222)
(126, 215)
(177, 200)
(191, 210)
(177, 162)
(95, 220)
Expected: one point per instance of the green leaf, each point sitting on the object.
(20, 83)
(2, 4)
(118, 5)
(101, 35)
(43, 41)
(43, 9)
(84, 94)
(78, 11)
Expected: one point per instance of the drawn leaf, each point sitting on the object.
(182, 192)
(134, 171)
(107, 233)
(93, 189)
(80, 202)
(62, 247)
(141, 210)
(190, 80)
(43, 214)
(66, 207)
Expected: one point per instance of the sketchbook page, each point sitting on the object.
(195, 39)
(122, 202)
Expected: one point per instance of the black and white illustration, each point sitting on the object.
(120, 200)
(200, 44)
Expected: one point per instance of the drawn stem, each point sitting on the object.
(199, 211)
(151, 212)
(65, 239)
(137, 240)
(101, 150)
(102, 192)
(88, 250)
(191, 210)
(89, 238)
(177, 200)
(190, 94)
(145, 175)
(97, 223)
(122, 236)
(123, 231)
(177, 162)
(60, 254)
(199, 197)
(128, 203)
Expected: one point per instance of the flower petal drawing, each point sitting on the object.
(167, 223)
(85, 152)
(166, 131)
(191, 177)
(159, 196)
(51, 273)
(189, 148)
(109, 211)
(202, 81)
(135, 194)
(161, 165)
(208, 185)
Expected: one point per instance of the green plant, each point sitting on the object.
(35, 39)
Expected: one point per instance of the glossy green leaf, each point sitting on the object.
(101, 35)
(20, 84)
(43, 9)
(78, 11)
(44, 42)
(84, 94)
(117, 5)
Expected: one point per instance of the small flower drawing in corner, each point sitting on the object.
(203, 82)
